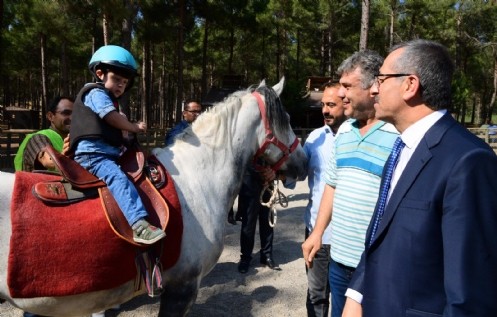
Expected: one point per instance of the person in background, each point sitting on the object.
(191, 111)
(251, 210)
(97, 135)
(30, 155)
(431, 247)
(353, 176)
(318, 147)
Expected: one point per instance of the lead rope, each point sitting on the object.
(276, 196)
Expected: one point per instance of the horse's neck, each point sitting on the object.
(209, 160)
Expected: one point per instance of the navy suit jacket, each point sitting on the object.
(435, 251)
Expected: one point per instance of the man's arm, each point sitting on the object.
(352, 308)
(469, 221)
(313, 243)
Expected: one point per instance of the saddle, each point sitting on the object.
(78, 184)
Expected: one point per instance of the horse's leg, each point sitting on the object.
(177, 299)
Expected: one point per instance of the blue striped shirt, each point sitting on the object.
(355, 173)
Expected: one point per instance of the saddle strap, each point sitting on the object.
(72, 171)
(61, 193)
(156, 206)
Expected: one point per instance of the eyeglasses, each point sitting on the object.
(194, 111)
(65, 112)
(380, 81)
(328, 104)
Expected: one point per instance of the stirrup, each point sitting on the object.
(151, 274)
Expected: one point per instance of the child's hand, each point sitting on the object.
(141, 126)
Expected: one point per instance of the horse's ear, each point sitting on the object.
(262, 84)
(279, 86)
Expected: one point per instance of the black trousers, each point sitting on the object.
(251, 210)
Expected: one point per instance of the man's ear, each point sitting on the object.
(49, 115)
(412, 87)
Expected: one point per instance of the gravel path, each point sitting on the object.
(261, 292)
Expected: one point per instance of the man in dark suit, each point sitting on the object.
(433, 249)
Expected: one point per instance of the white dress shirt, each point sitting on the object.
(411, 137)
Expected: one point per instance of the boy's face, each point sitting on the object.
(113, 82)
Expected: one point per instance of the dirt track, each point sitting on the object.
(260, 292)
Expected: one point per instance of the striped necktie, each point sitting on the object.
(387, 177)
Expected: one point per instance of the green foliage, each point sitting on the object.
(256, 39)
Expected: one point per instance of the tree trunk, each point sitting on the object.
(297, 67)
(494, 93)
(363, 42)
(181, 53)
(105, 29)
(43, 77)
(127, 25)
(278, 50)
(126, 43)
(232, 48)
(145, 80)
(263, 55)
(162, 91)
(392, 21)
(205, 58)
(64, 70)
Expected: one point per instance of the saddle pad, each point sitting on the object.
(68, 250)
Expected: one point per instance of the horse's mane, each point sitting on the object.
(276, 114)
(212, 126)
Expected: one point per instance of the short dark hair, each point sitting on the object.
(431, 62)
(52, 106)
(189, 101)
(329, 84)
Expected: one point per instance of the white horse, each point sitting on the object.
(206, 162)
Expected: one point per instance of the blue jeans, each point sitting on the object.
(340, 276)
(124, 192)
(318, 287)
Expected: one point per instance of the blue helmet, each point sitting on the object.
(115, 58)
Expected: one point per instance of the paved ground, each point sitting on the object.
(261, 292)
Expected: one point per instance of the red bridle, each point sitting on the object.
(271, 139)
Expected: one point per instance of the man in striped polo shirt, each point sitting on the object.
(353, 175)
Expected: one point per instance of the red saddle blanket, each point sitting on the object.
(67, 250)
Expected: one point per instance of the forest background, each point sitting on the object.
(185, 47)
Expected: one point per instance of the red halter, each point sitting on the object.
(271, 139)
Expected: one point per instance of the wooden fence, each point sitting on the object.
(10, 140)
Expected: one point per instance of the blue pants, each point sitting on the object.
(123, 190)
(340, 276)
(318, 287)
